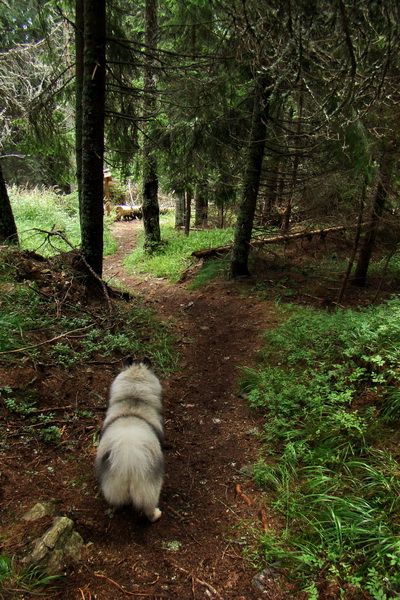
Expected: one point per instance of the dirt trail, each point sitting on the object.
(195, 550)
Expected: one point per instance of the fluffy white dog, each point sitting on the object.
(129, 461)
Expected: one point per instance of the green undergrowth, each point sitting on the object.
(329, 387)
(50, 328)
(27, 406)
(16, 579)
(215, 268)
(48, 210)
(173, 257)
(49, 333)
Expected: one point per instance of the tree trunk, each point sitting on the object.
(281, 188)
(368, 241)
(93, 104)
(271, 189)
(255, 155)
(150, 207)
(287, 215)
(8, 228)
(79, 45)
(179, 209)
(221, 215)
(188, 210)
(201, 206)
(355, 244)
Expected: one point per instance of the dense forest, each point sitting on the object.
(212, 184)
(285, 111)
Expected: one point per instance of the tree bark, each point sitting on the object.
(355, 244)
(93, 104)
(201, 206)
(271, 189)
(8, 228)
(221, 214)
(179, 209)
(79, 45)
(368, 241)
(150, 206)
(255, 155)
(287, 215)
(188, 210)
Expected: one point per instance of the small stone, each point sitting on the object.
(247, 469)
(55, 562)
(41, 509)
(262, 580)
(38, 554)
(61, 528)
(74, 546)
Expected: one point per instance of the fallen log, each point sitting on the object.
(276, 239)
(191, 228)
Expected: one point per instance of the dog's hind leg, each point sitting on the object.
(153, 515)
(146, 500)
(150, 507)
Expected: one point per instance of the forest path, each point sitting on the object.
(209, 502)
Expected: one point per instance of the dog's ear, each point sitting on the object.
(128, 362)
(131, 361)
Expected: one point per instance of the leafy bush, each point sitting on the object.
(328, 386)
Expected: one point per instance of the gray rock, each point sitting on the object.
(74, 546)
(58, 532)
(57, 547)
(41, 509)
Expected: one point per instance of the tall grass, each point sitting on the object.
(326, 385)
(174, 256)
(46, 209)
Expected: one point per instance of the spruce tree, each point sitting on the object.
(150, 207)
(8, 228)
(93, 105)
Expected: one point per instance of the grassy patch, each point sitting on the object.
(15, 578)
(19, 309)
(48, 210)
(328, 386)
(216, 268)
(26, 405)
(173, 258)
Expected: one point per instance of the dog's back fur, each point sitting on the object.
(129, 461)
